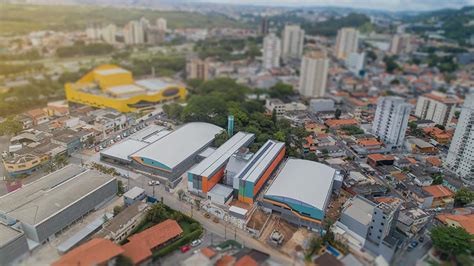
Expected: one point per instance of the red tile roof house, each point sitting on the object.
(442, 195)
(98, 251)
(141, 246)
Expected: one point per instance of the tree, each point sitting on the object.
(412, 125)
(221, 138)
(10, 127)
(463, 196)
(173, 110)
(437, 179)
(197, 202)
(120, 188)
(452, 241)
(123, 261)
(281, 91)
(440, 127)
(390, 64)
(274, 116)
(117, 209)
(157, 213)
(338, 113)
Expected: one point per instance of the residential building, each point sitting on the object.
(347, 42)
(197, 68)
(264, 26)
(437, 107)
(376, 159)
(97, 251)
(442, 196)
(140, 246)
(271, 51)
(411, 221)
(314, 74)
(292, 42)
(465, 221)
(461, 151)
(134, 33)
(108, 34)
(123, 223)
(366, 225)
(282, 108)
(400, 44)
(391, 120)
(355, 62)
(161, 24)
(321, 105)
(38, 116)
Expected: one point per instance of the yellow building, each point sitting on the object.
(110, 86)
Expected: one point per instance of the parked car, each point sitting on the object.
(97, 148)
(196, 243)
(185, 249)
(153, 183)
(207, 215)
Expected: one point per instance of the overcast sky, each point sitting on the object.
(391, 5)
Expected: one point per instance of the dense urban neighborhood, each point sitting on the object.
(188, 133)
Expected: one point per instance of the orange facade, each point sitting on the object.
(209, 183)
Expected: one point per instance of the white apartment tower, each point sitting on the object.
(271, 51)
(293, 40)
(347, 42)
(313, 74)
(161, 24)
(401, 43)
(109, 33)
(437, 107)
(134, 33)
(461, 152)
(391, 120)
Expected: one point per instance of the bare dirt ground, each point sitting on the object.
(296, 242)
(257, 219)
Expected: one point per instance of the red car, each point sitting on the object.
(185, 249)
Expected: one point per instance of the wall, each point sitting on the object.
(75, 211)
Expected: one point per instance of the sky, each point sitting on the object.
(390, 5)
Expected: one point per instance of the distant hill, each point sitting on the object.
(18, 19)
(457, 24)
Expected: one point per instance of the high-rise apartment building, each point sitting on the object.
(461, 152)
(401, 43)
(108, 34)
(292, 43)
(161, 24)
(263, 29)
(437, 107)
(313, 74)
(197, 69)
(391, 120)
(271, 51)
(355, 62)
(134, 33)
(347, 42)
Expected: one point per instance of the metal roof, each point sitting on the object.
(147, 133)
(8, 234)
(260, 161)
(124, 149)
(134, 192)
(304, 181)
(178, 145)
(216, 160)
(43, 198)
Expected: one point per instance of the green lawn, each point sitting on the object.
(16, 19)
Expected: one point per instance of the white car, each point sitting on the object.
(153, 183)
(196, 242)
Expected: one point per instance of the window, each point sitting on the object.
(380, 230)
(382, 224)
(383, 217)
